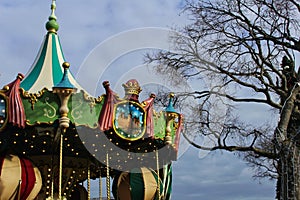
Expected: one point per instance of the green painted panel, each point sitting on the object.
(42, 108)
(160, 126)
(83, 111)
(46, 106)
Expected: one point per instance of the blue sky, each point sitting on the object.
(84, 28)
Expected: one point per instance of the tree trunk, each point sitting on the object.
(288, 146)
(289, 176)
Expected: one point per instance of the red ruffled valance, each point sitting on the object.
(16, 113)
(149, 119)
(178, 131)
(105, 119)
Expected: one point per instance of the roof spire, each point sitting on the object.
(52, 25)
(53, 7)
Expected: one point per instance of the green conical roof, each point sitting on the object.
(47, 70)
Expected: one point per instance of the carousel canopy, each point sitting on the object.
(71, 137)
(47, 70)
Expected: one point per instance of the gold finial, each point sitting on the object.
(66, 65)
(171, 95)
(52, 25)
(53, 7)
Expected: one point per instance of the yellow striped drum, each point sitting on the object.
(19, 178)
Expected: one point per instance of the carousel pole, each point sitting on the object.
(158, 178)
(165, 174)
(60, 165)
(171, 115)
(107, 177)
(100, 185)
(52, 187)
(89, 182)
(63, 89)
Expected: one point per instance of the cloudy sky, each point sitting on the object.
(119, 32)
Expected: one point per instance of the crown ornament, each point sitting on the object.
(132, 87)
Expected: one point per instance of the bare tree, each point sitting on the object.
(245, 50)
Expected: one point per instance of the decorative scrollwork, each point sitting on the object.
(77, 112)
(51, 111)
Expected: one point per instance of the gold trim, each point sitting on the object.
(5, 98)
(92, 100)
(144, 121)
(4, 89)
(87, 97)
(158, 114)
(96, 125)
(39, 123)
(33, 97)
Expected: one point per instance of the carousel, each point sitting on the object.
(54, 136)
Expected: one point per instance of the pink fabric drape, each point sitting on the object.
(105, 119)
(149, 117)
(178, 131)
(16, 113)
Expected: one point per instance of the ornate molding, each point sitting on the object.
(32, 97)
(3, 110)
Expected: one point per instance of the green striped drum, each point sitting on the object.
(138, 184)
